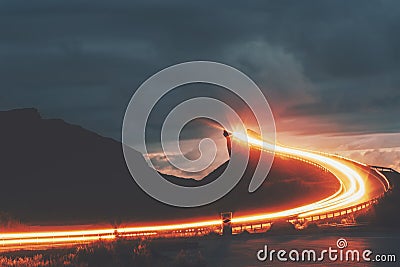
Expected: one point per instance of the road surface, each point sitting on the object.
(358, 184)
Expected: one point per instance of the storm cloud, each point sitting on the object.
(333, 66)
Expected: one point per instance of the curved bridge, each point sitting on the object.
(360, 187)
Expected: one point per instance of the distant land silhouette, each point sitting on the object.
(53, 172)
(386, 213)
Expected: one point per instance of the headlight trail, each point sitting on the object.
(352, 187)
(352, 191)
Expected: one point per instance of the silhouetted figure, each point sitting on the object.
(228, 141)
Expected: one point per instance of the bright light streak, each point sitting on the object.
(346, 196)
(54, 240)
(352, 191)
(99, 232)
(387, 183)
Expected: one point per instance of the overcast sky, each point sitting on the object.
(329, 69)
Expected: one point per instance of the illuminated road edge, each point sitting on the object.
(352, 192)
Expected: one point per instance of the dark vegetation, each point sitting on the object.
(385, 214)
(143, 253)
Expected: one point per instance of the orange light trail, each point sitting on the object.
(352, 187)
(352, 191)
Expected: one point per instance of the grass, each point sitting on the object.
(122, 252)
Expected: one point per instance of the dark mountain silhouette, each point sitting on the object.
(55, 172)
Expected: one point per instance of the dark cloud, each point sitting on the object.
(334, 61)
